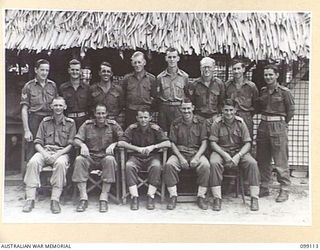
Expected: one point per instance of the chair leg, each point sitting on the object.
(163, 191)
(242, 188)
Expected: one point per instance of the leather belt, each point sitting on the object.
(78, 114)
(177, 103)
(272, 118)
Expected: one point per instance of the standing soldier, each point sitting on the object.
(276, 105)
(208, 92)
(188, 135)
(36, 98)
(231, 142)
(53, 143)
(76, 94)
(144, 138)
(139, 88)
(172, 85)
(244, 92)
(107, 92)
(97, 139)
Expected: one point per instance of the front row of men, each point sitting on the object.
(229, 138)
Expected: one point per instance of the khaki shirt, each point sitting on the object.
(245, 96)
(230, 137)
(139, 92)
(77, 100)
(172, 88)
(38, 98)
(113, 99)
(208, 100)
(97, 138)
(188, 137)
(279, 102)
(50, 133)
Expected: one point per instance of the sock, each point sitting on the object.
(216, 192)
(172, 191)
(133, 190)
(151, 191)
(202, 191)
(254, 191)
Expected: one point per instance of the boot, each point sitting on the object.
(254, 206)
(283, 196)
(202, 203)
(28, 206)
(216, 204)
(172, 203)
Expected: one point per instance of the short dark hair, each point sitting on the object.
(273, 67)
(236, 61)
(144, 110)
(186, 100)
(40, 62)
(74, 62)
(59, 98)
(229, 102)
(105, 64)
(100, 104)
(171, 49)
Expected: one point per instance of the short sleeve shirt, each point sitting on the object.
(50, 133)
(97, 138)
(113, 99)
(139, 92)
(245, 96)
(279, 102)
(208, 99)
(77, 100)
(172, 87)
(230, 137)
(38, 98)
(188, 136)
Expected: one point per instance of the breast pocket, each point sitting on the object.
(107, 138)
(213, 98)
(48, 138)
(179, 88)
(236, 137)
(224, 139)
(145, 91)
(277, 104)
(35, 98)
(50, 94)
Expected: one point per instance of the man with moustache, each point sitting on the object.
(172, 85)
(53, 142)
(36, 97)
(276, 105)
(76, 94)
(144, 138)
(188, 136)
(139, 88)
(106, 92)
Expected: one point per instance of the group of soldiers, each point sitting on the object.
(207, 124)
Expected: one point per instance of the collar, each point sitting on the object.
(105, 123)
(276, 89)
(195, 119)
(37, 82)
(179, 72)
(63, 120)
(201, 81)
(245, 81)
(143, 75)
(69, 84)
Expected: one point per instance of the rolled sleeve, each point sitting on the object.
(161, 136)
(245, 133)
(173, 134)
(203, 132)
(81, 135)
(72, 133)
(127, 136)
(40, 135)
(118, 132)
(214, 132)
(25, 97)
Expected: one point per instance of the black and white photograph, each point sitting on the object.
(157, 117)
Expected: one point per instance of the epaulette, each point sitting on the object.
(69, 119)
(47, 118)
(251, 84)
(133, 125)
(238, 118)
(111, 121)
(197, 119)
(150, 75)
(52, 82)
(218, 119)
(264, 88)
(163, 73)
(90, 121)
(64, 85)
(183, 73)
(128, 75)
(154, 126)
(283, 88)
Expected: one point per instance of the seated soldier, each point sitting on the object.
(144, 138)
(53, 142)
(97, 139)
(231, 142)
(188, 135)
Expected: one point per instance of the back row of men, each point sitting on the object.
(141, 91)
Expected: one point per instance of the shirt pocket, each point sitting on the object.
(145, 90)
(277, 104)
(35, 97)
(213, 98)
(179, 87)
(50, 94)
(237, 137)
(224, 139)
(49, 138)
(107, 138)
(69, 100)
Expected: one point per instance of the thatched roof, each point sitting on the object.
(252, 35)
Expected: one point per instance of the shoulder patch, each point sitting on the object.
(47, 118)
(133, 126)
(111, 121)
(155, 126)
(89, 121)
(238, 118)
(283, 88)
(69, 119)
